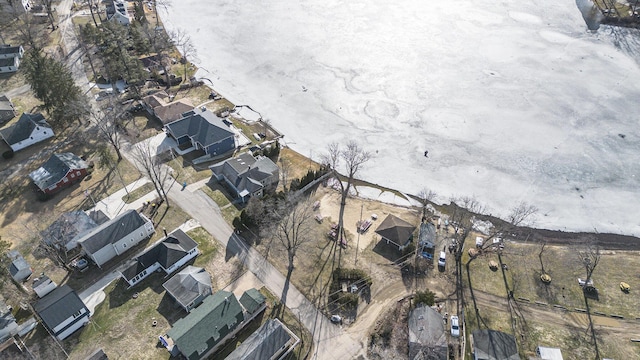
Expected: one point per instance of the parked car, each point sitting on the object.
(442, 259)
(455, 326)
(336, 319)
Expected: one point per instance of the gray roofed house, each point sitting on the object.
(396, 231)
(189, 287)
(203, 130)
(253, 301)
(246, 175)
(62, 312)
(28, 130)
(98, 355)
(494, 345)
(10, 58)
(19, 269)
(67, 229)
(116, 10)
(116, 236)
(7, 110)
(168, 253)
(42, 285)
(207, 327)
(273, 340)
(8, 325)
(427, 335)
(548, 353)
(59, 172)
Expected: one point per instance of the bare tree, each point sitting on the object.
(108, 121)
(183, 42)
(292, 229)
(156, 171)
(48, 7)
(285, 169)
(589, 254)
(352, 157)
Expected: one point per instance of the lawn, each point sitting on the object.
(138, 193)
(120, 316)
(221, 197)
(564, 267)
(184, 170)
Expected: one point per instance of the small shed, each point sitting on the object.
(19, 269)
(253, 301)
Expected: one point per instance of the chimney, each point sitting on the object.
(165, 231)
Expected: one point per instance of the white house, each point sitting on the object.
(168, 254)
(117, 11)
(116, 236)
(28, 130)
(10, 57)
(62, 312)
(43, 285)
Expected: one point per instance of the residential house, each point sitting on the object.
(427, 240)
(7, 110)
(396, 231)
(117, 11)
(189, 287)
(8, 325)
(10, 57)
(62, 312)
(494, 345)
(42, 285)
(152, 63)
(168, 254)
(202, 130)
(28, 130)
(273, 341)
(19, 269)
(59, 172)
(65, 232)
(245, 175)
(427, 335)
(116, 236)
(207, 327)
(547, 353)
(162, 107)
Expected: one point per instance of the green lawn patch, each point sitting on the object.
(138, 193)
(207, 245)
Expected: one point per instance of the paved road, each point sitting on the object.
(18, 91)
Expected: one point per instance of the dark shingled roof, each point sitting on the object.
(495, 345)
(56, 168)
(264, 343)
(206, 325)
(8, 49)
(395, 229)
(7, 111)
(23, 128)
(112, 231)
(166, 252)
(245, 171)
(188, 285)
(203, 127)
(251, 300)
(58, 305)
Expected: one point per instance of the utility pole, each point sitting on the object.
(358, 230)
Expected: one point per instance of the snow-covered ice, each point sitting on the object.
(515, 101)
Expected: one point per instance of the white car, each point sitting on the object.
(442, 258)
(336, 319)
(455, 326)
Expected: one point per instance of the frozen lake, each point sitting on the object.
(513, 100)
